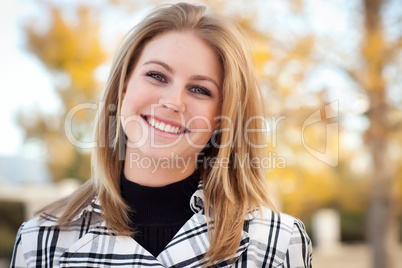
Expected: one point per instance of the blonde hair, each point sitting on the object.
(229, 192)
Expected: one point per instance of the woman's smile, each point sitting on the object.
(163, 126)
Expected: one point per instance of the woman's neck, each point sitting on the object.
(156, 171)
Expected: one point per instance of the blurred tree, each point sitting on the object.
(306, 185)
(71, 51)
(372, 67)
(378, 53)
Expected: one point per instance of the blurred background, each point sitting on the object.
(330, 71)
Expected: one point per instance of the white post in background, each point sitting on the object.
(326, 229)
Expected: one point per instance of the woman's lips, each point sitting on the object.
(164, 125)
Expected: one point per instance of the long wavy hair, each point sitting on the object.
(230, 191)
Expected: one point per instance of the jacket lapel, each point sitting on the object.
(188, 247)
(191, 243)
(98, 248)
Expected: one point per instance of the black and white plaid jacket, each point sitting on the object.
(268, 240)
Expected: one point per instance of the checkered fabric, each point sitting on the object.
(268, 240)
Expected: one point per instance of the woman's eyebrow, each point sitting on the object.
(164, 65)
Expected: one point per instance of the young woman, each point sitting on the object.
(177, 180)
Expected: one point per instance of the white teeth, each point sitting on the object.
(163, 127)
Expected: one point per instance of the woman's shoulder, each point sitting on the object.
(265, 216)
(30, 229)
(281, 236)
(275, 224)
(48, 223)
(44, 232)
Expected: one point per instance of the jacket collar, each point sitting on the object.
(196, 205)
(193, 234)
(190, 244)
(197, 200)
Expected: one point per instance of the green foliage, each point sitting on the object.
(353, 227)
(11, 218)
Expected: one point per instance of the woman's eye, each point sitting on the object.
(156, 76)
(200, 90)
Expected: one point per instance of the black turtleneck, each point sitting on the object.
(158, 212)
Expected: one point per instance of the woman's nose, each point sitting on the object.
(174, 99)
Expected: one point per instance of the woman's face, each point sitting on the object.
(172, 100)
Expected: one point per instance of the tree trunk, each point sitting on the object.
(381, 229)
(381, 223)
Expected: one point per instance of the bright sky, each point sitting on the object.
(23, 81)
